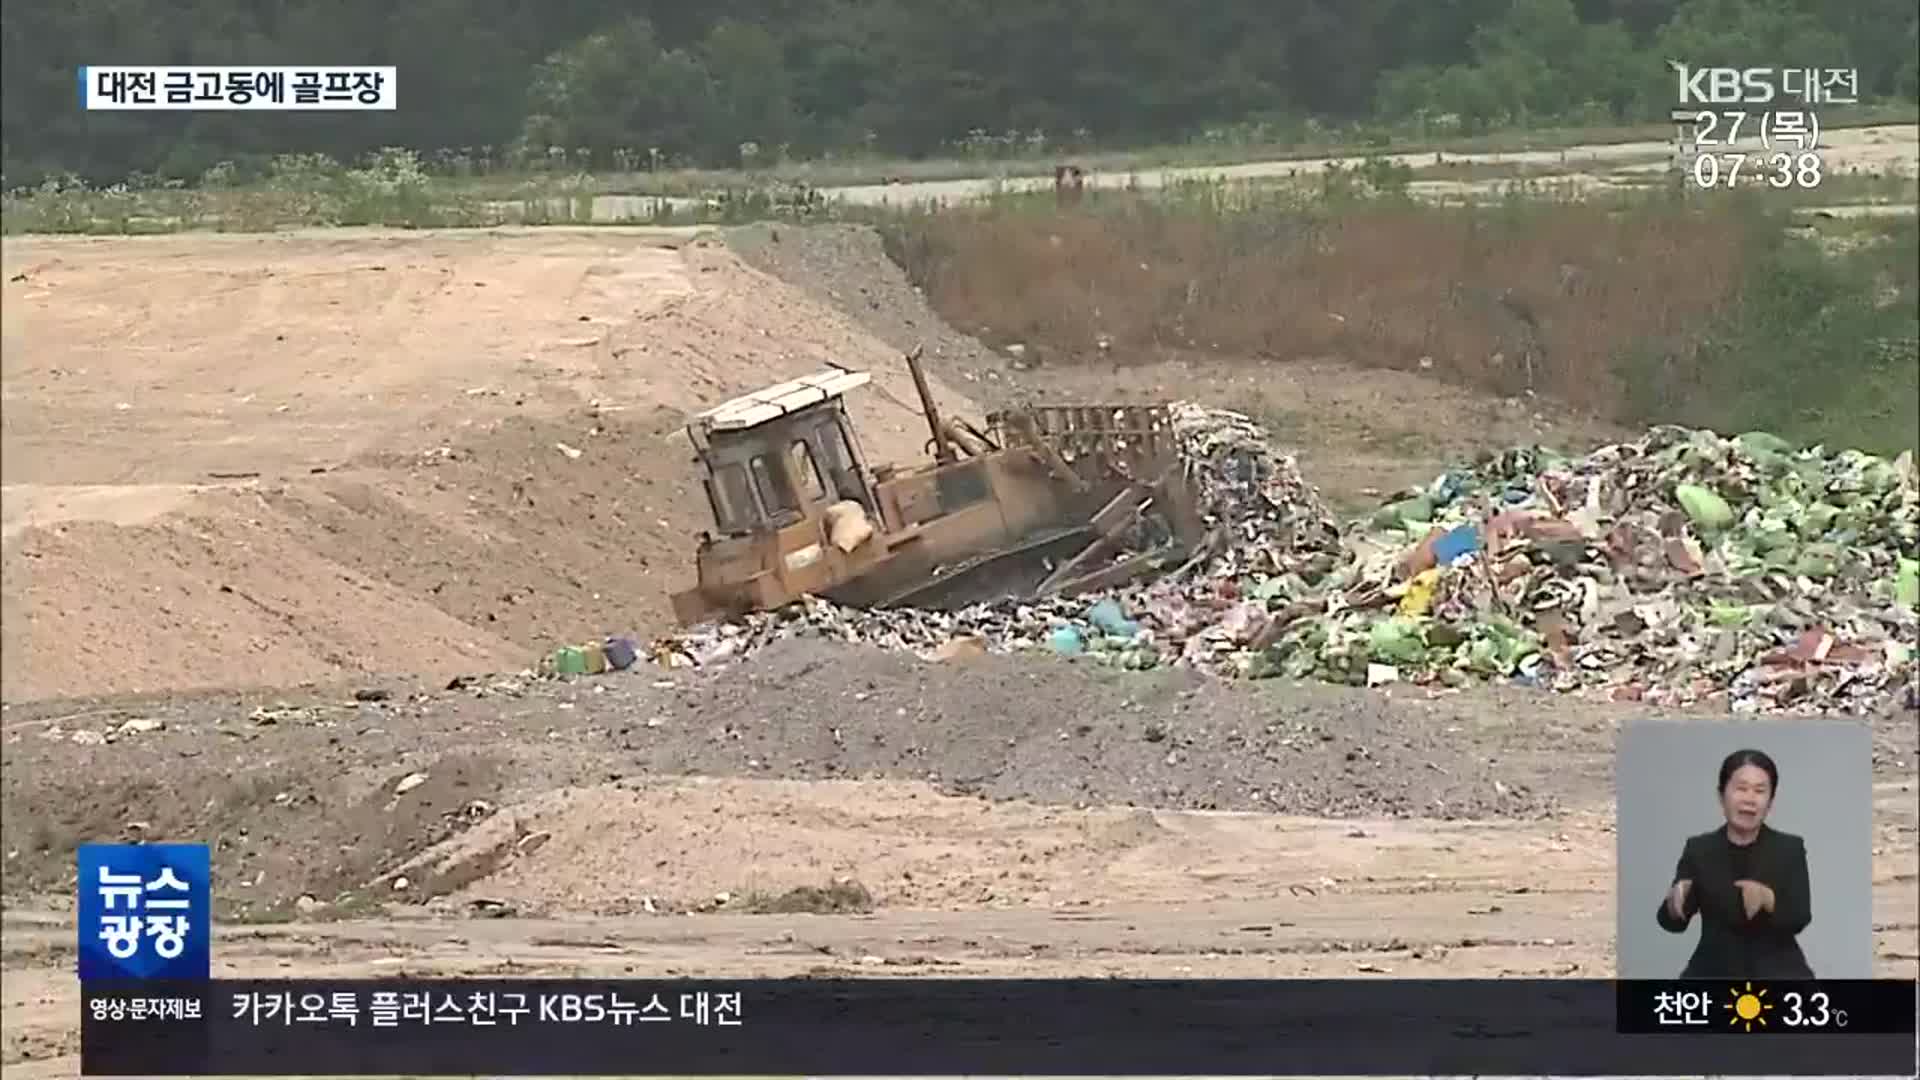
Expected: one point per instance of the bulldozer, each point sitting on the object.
(1040, 501)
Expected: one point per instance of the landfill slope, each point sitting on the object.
(325, 794)
(307, 456)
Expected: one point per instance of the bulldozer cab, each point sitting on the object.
(778, 457)
(774, 464)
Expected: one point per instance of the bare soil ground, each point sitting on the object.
(263, 460)
(251, 463)
(826, 809)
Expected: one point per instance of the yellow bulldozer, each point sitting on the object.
(1042, 500)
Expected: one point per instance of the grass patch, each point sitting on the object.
(390, 189)
(1820, 344)
(1655, 306)
(1535, 293)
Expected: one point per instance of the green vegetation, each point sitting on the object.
(1643, 306)
(391, 188)
(1820, 343)
(395, 188)
(492, 87)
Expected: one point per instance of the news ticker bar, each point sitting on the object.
(993, 1027)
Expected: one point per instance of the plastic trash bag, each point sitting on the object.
(1111, 619)
(1706, 509)
(1397, 640)
(1418, 599)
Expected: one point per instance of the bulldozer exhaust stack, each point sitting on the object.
(942, 449)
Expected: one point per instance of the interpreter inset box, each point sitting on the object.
(1745, 850)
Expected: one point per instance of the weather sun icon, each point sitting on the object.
(1748, 1006)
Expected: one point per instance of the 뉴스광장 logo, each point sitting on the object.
(145, 912)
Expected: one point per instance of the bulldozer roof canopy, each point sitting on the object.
(783, 399)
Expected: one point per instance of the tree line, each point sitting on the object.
(637, 83)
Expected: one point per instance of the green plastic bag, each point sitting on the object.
(1269, 589)
(1067, 641)
(1397, 640)
(1497, 647)
(1399, 515)
(1906, 583)
(1765, 447)
(1819, 520)
(569, 660)
(1704, 508)
(1729, 615)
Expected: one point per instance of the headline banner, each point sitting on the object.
(994, 1027)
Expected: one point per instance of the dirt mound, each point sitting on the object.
(1013, 727)
(310, 795)
(469, 556)
(319, 455)
(503, 531)
(768, 845)
(229, 595)
(848, 267)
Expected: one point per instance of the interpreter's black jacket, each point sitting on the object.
(1733, 946)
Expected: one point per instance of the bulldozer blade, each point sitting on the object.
(1123, 571)
(1209, 544)
(1009, 571)
(1122, 509)
(1120, 513)
(1075, 567)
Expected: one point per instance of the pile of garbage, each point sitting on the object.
(1678, 568)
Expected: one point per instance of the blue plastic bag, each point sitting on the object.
(1111, 619)
(1455, 542)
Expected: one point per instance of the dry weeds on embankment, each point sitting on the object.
(1649, 309)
